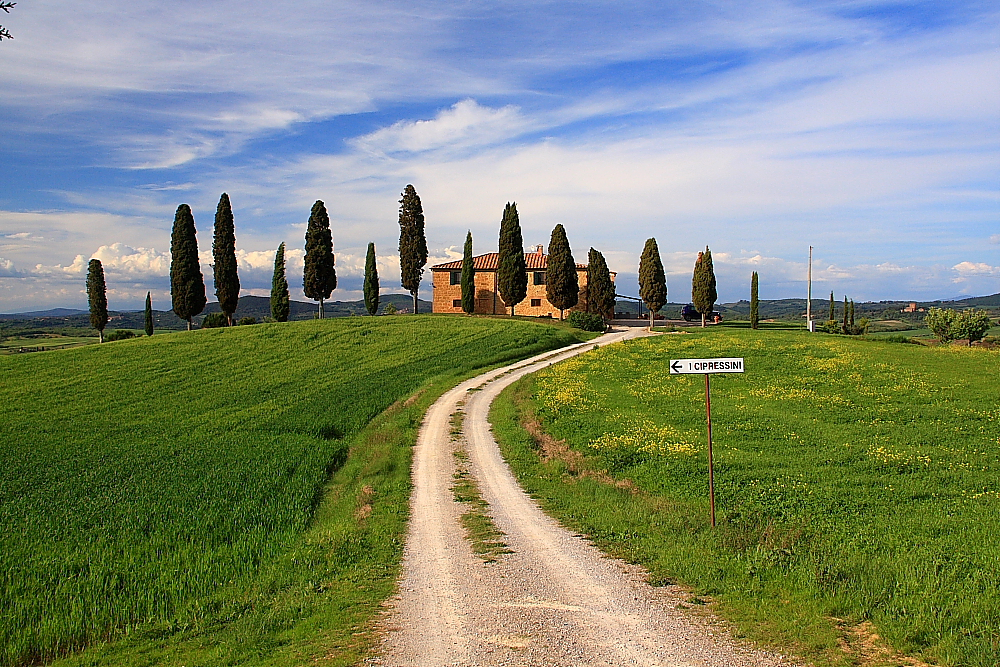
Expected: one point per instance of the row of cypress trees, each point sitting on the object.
(187, 285)
(653, 282)
(562, 288)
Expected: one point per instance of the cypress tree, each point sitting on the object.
(600, 288)
(703, 293)
(412, 242)
(512, 273)
(846, 315)
(852, 313)
(149, 315)
(833, 315)
(227, 281)
(468, 278)
(319, 276)
(280, 302)
(371, 281)
(97, 296)
(754, 302)
(187, 285)
(652, 281)
(562, 287)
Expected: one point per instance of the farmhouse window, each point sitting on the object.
(456, 303)
(539, 279)
(456, 277)
(536, 303)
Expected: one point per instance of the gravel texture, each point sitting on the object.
(557, 600)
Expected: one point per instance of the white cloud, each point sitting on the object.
(120, 259)
(975, 269)
(465, 125)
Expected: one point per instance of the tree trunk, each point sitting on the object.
(560, 314)
(229, 319)
(189, 324)
(703, 319)
(414, 293)
(322, 313)
(100, 332)
(651, 319)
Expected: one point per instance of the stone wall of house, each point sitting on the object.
(448, 297)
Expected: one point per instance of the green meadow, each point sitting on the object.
(224, 496)
(858, 484)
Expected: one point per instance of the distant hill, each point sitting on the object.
(53, 312)
(74, 322)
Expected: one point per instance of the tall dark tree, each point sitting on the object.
(224, 269)
(187, 285)
(652, 281)
(703, 293)
(846, 316)
(97, 296)
(149, 315)
(562, 286)
(280, 302)
(754, 302)
(512, 272)
(833, 314)
(371, 281)
(468, 278)
(319, 275)
(412, 242)
(600, 287)
(852, 314)
(4, 33)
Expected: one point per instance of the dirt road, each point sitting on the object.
(556, 600)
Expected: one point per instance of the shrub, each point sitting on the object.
(939, 321)
(970, 325)
(120, 334)
(214, 321)
(247, 320)
(586, 321)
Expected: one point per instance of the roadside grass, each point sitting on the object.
(486, 539)
(226, 496)
(857, 485)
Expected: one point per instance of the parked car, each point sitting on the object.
(689, 313)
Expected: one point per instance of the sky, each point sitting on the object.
(868, 130)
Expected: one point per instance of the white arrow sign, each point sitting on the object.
(724, 365)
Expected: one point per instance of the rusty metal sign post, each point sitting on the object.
(707, 367)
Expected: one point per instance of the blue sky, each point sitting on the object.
(869, 130)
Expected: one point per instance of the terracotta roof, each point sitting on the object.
(490, 261)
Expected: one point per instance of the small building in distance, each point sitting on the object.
(448, 286)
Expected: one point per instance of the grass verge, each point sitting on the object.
(486, 539)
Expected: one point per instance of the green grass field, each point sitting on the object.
(858, 484)
(226, 496)
(49, 342)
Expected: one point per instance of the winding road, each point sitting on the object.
(556, 600)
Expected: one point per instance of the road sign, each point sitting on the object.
(723, 365)
(706, 367)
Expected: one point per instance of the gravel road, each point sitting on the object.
(556, 600)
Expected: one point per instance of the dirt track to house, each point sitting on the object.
(556, 600)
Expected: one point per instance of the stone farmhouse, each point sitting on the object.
(448, 286)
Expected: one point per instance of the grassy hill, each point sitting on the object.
(857, 484)
(224, 496)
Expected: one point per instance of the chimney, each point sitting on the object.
(540, 250)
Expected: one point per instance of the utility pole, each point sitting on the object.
(809, 293)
